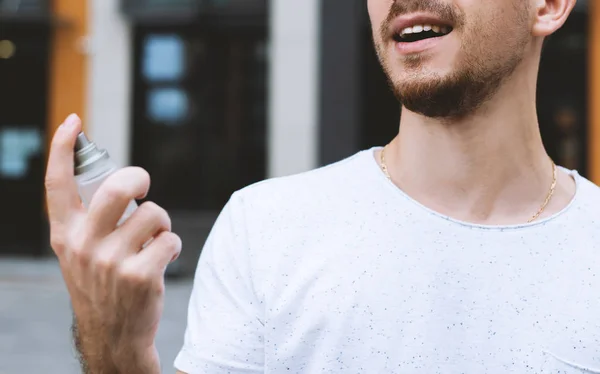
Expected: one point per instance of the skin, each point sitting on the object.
(453, 80)
(480, 160)
(484, 162)
(116, 289)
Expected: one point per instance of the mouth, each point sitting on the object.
(420, 32)
(415, 28)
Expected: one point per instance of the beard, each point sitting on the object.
(457, 95)
(480, 72)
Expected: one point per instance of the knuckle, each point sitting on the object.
(51, 183)
(158, 287)
(105, 262)
(72, 243)
(78, 250)
(57, 241)
(112, 191)
(172, 241)
(142, 174)
(134, 276)
(124, 184)
(149, 207)
(157, 214)
(66, 238)
(139, 175)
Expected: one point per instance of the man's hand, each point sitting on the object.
(116, 287)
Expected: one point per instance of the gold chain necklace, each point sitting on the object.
(535, 217)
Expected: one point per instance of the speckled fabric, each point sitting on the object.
(337, 271)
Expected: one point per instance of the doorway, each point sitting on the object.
(24, 58)
(199, 119)
(200, 113)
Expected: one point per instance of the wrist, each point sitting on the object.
(133, 360)
(98, 355)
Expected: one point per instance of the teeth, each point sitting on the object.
(420, 28)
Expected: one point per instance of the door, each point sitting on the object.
(23, 89)
(199, 119)
(200, 113)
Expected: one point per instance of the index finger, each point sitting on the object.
(61, 189)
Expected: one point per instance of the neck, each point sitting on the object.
(488, 168)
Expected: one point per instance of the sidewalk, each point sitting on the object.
(35, 318)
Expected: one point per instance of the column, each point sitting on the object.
(110, 88)
(294, 87)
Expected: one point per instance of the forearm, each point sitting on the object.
(98, 357)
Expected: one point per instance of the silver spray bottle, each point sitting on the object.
(92, 167)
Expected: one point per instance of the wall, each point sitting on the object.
(68, 63)
(294, 88)
(294, 99)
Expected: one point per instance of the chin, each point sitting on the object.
(420, 72)
(441, 92)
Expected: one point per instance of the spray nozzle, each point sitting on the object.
(87, 156)
(82, 142)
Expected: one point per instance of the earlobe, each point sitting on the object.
(550, 15)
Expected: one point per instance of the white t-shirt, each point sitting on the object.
(338, 271)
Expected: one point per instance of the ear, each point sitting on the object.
(550, 15)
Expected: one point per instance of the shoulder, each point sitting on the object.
(588, 196)
(588, 189)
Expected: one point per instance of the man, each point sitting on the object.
(458, 248)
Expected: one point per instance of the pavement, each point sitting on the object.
(35, 319)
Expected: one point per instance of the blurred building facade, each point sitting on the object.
(210, 96)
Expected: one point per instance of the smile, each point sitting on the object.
(417, 33)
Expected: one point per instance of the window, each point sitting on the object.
(163, 58)
(167, 105)
(17, 146)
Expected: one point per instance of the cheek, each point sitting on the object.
(497, 23)
(378, 11)
(484, 32)
(489, 36)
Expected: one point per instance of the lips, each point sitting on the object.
(418, 27)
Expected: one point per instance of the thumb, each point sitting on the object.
(61, 189)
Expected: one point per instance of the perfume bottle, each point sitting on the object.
(92, 167)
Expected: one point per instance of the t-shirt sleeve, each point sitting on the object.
(225, 325)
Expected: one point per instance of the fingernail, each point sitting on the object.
(71, 121)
